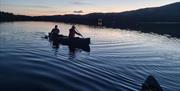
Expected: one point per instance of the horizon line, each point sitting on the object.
(88, 13)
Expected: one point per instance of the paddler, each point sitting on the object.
(73, 31)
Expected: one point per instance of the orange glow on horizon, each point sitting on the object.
(55, 8)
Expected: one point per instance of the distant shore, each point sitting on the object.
(161, 20)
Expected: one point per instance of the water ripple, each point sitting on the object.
(119, 60)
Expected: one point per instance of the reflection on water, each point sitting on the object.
(119, 60)
(72, 50)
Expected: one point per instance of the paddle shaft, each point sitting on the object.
(79, 33)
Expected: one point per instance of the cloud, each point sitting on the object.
(80, 3)
(37, 6)
(78, 11)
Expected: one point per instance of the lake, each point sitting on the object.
(119, 60)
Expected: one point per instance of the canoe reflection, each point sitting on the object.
(72, 49)
(55, 44)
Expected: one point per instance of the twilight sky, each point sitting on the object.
(53, 7)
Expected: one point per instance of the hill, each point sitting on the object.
(162, 20)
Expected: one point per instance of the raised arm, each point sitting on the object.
(78, 33)
(52, 31)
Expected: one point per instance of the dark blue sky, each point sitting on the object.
(51, 7)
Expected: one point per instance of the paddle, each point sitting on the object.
(79, 33)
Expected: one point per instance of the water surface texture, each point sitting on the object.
(119, 60)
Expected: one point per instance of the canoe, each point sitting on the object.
(76, 42)
(151, 84)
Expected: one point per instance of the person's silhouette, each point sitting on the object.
(55, 32)
(72, 32)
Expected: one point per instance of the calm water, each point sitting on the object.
(119, 60)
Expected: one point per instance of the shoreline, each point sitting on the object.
(168, 29)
